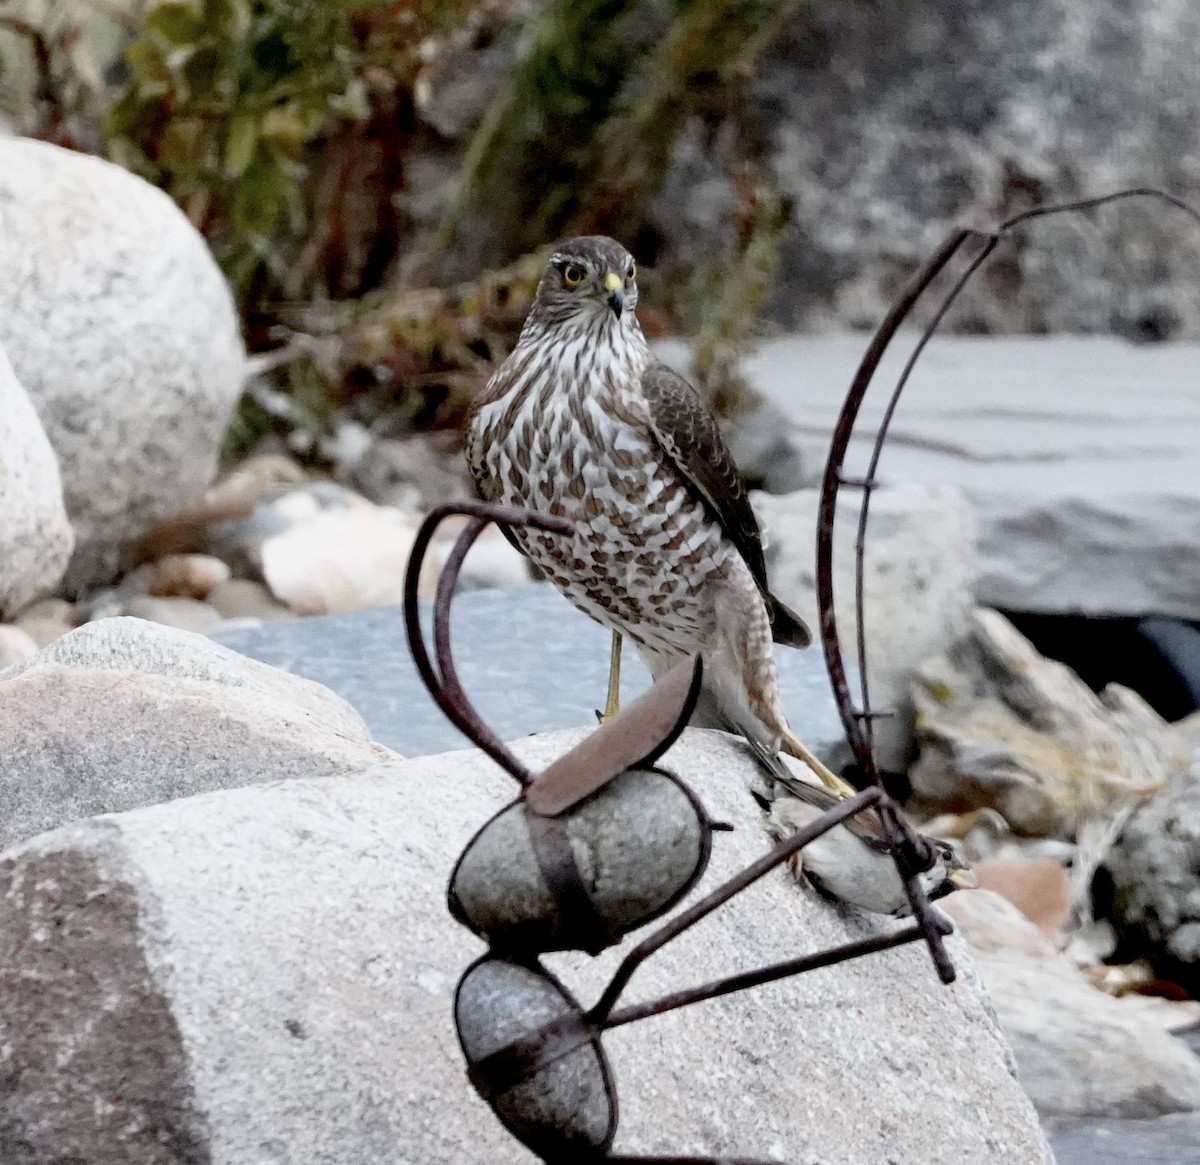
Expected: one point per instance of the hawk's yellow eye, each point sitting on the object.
(631, 274)
(572, 275)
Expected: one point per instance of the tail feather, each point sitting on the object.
(787, 627)
(794, 746)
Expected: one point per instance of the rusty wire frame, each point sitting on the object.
(522, 1058)
(858, 721)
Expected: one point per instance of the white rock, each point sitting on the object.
(122, 329)
(339, 559)
(123, 713)
(492, 561)
(16, 646)
(1078, 456)
(1083, 1053)
(46, 620)
(1080, 1053)
(175, 611)
(918, 585)
(1002, 727)
(35, 536)
(267, 975)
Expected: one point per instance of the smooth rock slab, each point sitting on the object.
(123, 331)
(123, 713)
(266, 974)
(1167, 1140)
(35, 536)
(1080, 1053)
(1078, 455)
(529, 661)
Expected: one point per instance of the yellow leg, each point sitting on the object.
(797, 748)
(612, 704)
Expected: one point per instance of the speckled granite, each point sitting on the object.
(529, 660)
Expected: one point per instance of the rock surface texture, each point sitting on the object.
(1077, 455)
(266, 974)
(123, 331)
(918, 589)
(35, 536)
(1080, 1053)
(1154, 871)
(1054, 102)
(123, 713)
(999, 726)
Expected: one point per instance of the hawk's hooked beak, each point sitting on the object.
(615, 286)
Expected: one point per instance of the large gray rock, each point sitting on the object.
(266, 974)
(1154, 871)
(1002, 727)
(122, 329)
(918, 585)
(123, 713)
(1076, 455)
(1080, 1053)
(886, 127)
(35, 536)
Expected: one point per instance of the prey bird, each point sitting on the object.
(582, 422)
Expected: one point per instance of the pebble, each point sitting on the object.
(185, 614)
(16, 645)
(243, 598)
(47, 620)
(1038, 887)
(190, 576)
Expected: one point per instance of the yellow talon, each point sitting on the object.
(797, 748)
(612, 704)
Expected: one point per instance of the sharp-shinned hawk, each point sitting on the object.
(583, 422)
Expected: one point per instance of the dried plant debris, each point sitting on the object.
(1000, 726)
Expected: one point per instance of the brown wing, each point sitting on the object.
(687, 431)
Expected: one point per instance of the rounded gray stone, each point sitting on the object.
(35, 535)
(637, 843)
(123, 331)
(294, 940)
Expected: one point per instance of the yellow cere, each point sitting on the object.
(613, 282)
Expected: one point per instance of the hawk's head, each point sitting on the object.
(589, 280)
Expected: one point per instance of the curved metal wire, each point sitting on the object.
(857, 722)
(442, 680)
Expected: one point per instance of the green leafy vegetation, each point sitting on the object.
(285, 131)
(249, 112)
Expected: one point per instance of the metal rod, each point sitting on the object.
(826, 512)
(687, 918)
(858, 736)
(452, 689)
(443, 686)
(748, 979)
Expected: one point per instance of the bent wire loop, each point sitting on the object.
(858, 721)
